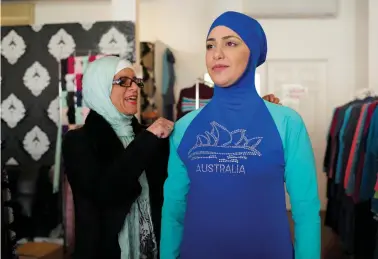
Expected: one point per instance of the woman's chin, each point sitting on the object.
(221, 80)
(130, 110)
(222, 83)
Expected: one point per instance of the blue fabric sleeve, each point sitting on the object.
(176, 188)
(370, 169)
(339, 165)
(301, 181)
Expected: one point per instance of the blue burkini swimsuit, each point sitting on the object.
(225, 197)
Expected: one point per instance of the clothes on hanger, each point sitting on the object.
(351, 166)
(8, 234)
(187, 99)
(74, 110)
(69, 213)
(169, 79)
(46, 208)
(148, 108)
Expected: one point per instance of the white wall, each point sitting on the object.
(362, 44)
(373, 44)
(71, 11)
(183, 25)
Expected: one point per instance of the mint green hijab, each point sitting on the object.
(97, 87)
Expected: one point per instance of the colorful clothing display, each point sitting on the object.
(187, 99)
(8, 234)
(225, 196)
(72, 68)
(351, 164)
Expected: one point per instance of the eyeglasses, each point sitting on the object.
(127, 82)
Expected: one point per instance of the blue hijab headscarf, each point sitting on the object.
(243, 91)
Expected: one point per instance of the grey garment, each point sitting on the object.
(169, 97)
(137, 239)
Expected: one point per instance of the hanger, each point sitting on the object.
(363, 93)
(89, 52)
(207, 80)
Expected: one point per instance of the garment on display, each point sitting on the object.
(189, 100)
(69, 215)
(351, 165)
(73, 109)
(169, 79)
(46, 210)
(148, 104)
(8, 234)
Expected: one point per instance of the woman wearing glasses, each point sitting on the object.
(116, 167)
(117, 190)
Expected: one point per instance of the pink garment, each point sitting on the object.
(376, 184)
(70, 215)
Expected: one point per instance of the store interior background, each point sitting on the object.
(347, 42)
(346, 45)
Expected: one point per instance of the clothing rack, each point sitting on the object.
(58, 179)
(194, 97)
(198, 81)
(58, 147)
(365, 92)
(351, 166)
(201, 80)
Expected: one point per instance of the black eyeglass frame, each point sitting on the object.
(122, 81)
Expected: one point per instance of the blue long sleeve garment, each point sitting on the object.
(339, 166)
(371, 162)
(224, 196)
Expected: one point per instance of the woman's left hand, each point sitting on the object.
(272, 99)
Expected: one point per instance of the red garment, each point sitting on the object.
(353, 152)
(359, 172)
(75, 67)
(71, 65)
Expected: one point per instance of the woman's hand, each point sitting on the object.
(272, 99)
(161, 128)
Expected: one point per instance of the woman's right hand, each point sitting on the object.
(161, 128)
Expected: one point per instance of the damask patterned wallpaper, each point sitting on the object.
(30, 58)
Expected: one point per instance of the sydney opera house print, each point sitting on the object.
(224, 145)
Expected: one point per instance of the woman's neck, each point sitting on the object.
(241, 95)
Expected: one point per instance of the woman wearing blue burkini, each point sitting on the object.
(224, 197)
